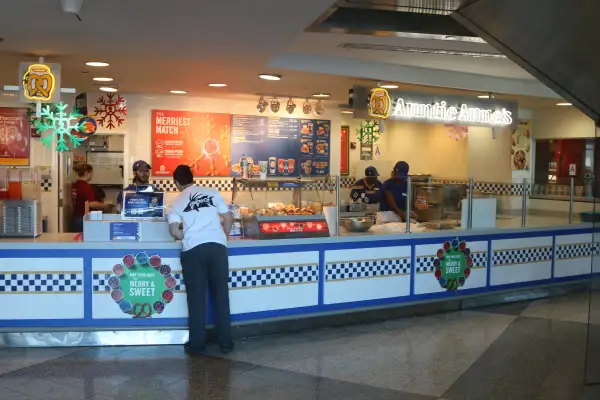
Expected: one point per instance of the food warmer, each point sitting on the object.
(281, 208)
(438, 202)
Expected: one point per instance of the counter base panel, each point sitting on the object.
(291, 324)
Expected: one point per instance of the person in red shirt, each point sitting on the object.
(82, 192)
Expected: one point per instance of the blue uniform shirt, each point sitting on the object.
(120, 196)
(361, 192)
(398, 191)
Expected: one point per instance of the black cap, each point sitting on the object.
(371, 172)
(400, 169)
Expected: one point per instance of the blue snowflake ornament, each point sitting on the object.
(54, 117)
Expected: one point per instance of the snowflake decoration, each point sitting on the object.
(32, 118)
(54, 117)
(111, 112)
(368, 133)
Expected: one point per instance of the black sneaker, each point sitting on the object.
(193, 350)
(228, 348)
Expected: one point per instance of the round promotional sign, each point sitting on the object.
(142, 285)
(88, 125)
(453, 264)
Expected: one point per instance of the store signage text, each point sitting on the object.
(381, 105)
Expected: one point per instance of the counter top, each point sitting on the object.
(53, 241)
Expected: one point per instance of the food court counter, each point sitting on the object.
(54, 283)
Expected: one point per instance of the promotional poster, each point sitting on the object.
(200, 140)
(143, 205)
(14, 137)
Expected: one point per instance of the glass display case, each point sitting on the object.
(284, 208)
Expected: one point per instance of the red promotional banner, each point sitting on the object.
(200, 140)
(14, 136)
(345, 150)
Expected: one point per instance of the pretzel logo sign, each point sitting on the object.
(379, 103)
(39, 83)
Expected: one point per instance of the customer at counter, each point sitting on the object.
(82, 192)
(204, 258)
(368, 189)
(392, 207)
(141, 176)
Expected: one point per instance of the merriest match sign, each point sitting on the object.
(440, 109)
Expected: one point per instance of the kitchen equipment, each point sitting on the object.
(15, 191)
(20, 218)
(357, 225)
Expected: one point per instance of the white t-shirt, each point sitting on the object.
(199, 208)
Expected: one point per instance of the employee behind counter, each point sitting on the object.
(369, 189)
(393, 203)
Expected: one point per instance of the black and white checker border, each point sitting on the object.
(424, 264)
(530, 255)
(100, 282)
(264, 277)
(362, 269)
(46, 185)
(67, 282)
(577, 250)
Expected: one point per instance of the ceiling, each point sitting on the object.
(156, 46)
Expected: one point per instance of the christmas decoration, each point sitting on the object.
(368, 132)
(111, 112)
(32, 118)
(453, 264)
(54, 117)
(457, 132)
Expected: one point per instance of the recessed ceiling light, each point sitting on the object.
(484, 96)
(564, 104)
(97, 64)
(109, 89)
(217, 84)
(270, 77)
(389, 86)
(178, 91)
(102, 79)
(321, 95)
(347, 112)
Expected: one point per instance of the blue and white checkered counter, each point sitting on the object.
(53, 283)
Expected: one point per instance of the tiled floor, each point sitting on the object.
(532, 350)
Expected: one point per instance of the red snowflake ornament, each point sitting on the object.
(111, 112)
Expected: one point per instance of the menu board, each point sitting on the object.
(14, 136)
(290, 146)
(200, 140)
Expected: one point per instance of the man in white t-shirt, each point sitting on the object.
(204, 257)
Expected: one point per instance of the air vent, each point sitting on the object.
(422, 50)
(440, 7)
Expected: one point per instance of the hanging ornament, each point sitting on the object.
(275, 105)
(368, 132)
(31, 117)
(319, 108)
(54, 117)
(111, 112)
(291, 106)
(457, 132)
(306, 107)
(262, 105)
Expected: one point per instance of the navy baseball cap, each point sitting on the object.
(400, 169)
(141, 164)
(371, 171)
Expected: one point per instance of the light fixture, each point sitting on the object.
(102, 79)
(347, 112)
(270, 77)
(389, 86)
(97, 64)
(217, 84)
(564, 104)
(484, 96)
(178, 91)
(321, 95)
(109, 89)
